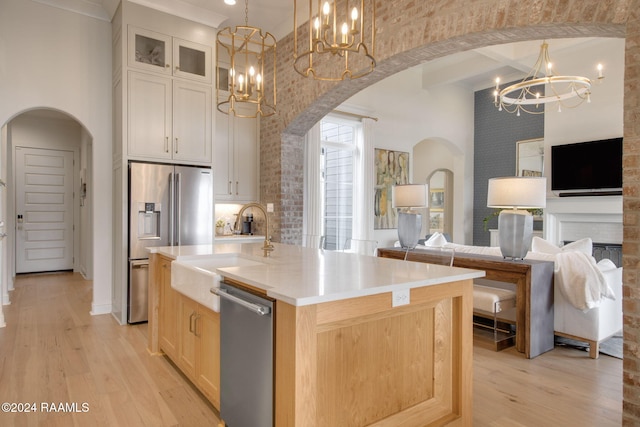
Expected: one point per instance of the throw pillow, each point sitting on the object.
(437, 240)
(540, 245)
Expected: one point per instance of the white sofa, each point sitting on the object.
(592, 325)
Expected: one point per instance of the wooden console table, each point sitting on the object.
(534, 292)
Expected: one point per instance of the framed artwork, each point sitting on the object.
(436, 221)
(392, 168)
(527, 172)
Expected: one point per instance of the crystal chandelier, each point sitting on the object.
(543, 86)
(337, 42)
(245, 58)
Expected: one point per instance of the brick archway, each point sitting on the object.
(410, 32)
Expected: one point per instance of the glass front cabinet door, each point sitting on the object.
(160, 53)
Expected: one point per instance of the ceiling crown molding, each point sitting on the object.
(185, 10)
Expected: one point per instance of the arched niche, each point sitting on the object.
(440, 164)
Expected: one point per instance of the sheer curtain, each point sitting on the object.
(312, 221)
(363, 179)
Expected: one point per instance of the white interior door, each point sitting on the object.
(44, 210)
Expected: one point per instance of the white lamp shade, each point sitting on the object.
(517, 192)
(410, 196)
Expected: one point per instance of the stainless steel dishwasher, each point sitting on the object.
(246, 358)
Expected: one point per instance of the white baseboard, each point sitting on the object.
(98, 309)
(120, 322)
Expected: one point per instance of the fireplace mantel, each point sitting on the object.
(573, 218)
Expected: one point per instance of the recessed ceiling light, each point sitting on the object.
(230, 2)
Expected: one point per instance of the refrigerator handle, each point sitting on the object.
(171, 210)
(178, 207)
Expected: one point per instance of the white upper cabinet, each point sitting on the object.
(192, 118)
(160, 53)
(150, 105)
(236, 158)
(169, 119)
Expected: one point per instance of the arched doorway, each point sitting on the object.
(37, 134)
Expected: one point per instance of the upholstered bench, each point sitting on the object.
(489, 302)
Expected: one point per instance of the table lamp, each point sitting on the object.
(515, 225)
(407, 197)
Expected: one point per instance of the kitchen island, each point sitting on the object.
(359, 340)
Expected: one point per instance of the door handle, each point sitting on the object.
(195, 325)
(172, 214)
(191, 321)
(258, 309)
(178, 208)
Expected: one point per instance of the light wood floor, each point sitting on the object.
(53, 351)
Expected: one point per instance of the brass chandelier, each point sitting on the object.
(245, 58)
(526, 96)
(337, 42)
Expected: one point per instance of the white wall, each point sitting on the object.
(62, 60)
(600, 119)
(408, 115)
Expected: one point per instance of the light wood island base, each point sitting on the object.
(360, 362)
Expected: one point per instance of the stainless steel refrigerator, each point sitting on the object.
(169, 205)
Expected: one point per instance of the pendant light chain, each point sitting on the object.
(246, 13)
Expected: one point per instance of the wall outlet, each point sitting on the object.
(270, 207)
(401, 297)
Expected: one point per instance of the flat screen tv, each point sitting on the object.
(587, 168)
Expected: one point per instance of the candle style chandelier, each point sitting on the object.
(543, 86)
(245, 58)
(337, 42)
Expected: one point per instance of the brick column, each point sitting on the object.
(631, 209)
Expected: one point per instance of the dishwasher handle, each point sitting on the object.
(256, 308)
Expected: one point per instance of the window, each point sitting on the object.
(337, 161)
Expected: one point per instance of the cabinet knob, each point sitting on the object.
(167, 65)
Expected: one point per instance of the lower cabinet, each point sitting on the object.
(189, 334)
(208, 356)
(167, 320)
(187, 319)
(199, 347)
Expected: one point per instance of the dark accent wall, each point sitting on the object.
(495, 136)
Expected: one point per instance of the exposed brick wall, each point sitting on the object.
(631, 209)
(410, 32)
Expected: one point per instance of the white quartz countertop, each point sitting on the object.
(303, 276)
(242, 238)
